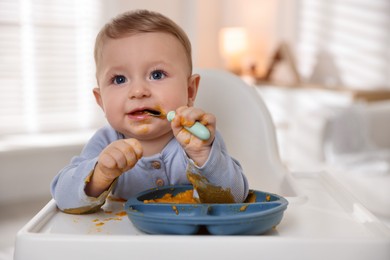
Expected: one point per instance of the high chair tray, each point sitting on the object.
(217, 219)
(322, 222)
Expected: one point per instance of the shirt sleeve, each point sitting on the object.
(223, 170)
(67, 188)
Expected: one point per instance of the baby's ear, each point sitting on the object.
(98, 97)
(193, 84)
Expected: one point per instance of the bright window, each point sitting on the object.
(351, 37)
(46, 65)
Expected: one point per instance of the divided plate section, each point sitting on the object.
(219, 219)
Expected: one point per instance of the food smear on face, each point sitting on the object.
(144, 130)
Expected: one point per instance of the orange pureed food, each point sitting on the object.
(185, 197)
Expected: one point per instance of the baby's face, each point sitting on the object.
(139, 75)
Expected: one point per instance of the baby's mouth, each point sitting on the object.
(150, 112)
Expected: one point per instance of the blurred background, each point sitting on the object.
(322, 67)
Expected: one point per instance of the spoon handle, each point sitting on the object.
(196, 129)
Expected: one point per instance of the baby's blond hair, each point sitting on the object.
(140, 21)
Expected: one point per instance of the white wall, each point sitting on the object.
(26, 173)
(267, 22)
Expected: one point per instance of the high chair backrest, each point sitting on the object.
(247, 128)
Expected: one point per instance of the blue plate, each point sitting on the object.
(218, 219)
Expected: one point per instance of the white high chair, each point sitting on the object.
(348, 144)
(246, 127)
(355, 159)
(326, 224)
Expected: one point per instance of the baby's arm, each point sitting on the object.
(210, 156)
(196, 149)
(221, 169)
(68, 187)
(117, 158)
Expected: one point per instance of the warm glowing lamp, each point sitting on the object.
(233, 44)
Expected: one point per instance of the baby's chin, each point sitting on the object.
(148, 133)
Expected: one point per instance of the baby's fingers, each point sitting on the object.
(209, 121)
(132, 153)
(114, 157)
(107, 161)
(121, 155)
(136, 147)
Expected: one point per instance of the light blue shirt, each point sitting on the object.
(165, 168)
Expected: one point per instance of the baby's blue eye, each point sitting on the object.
(157, 74)
(119, 79)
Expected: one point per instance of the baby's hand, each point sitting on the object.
(195, 148)
(115, 159)
(118, 157)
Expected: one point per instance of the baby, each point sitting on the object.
(143, 70)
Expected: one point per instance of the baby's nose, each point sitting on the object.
(139, 90)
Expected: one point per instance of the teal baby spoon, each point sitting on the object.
(196, 129)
